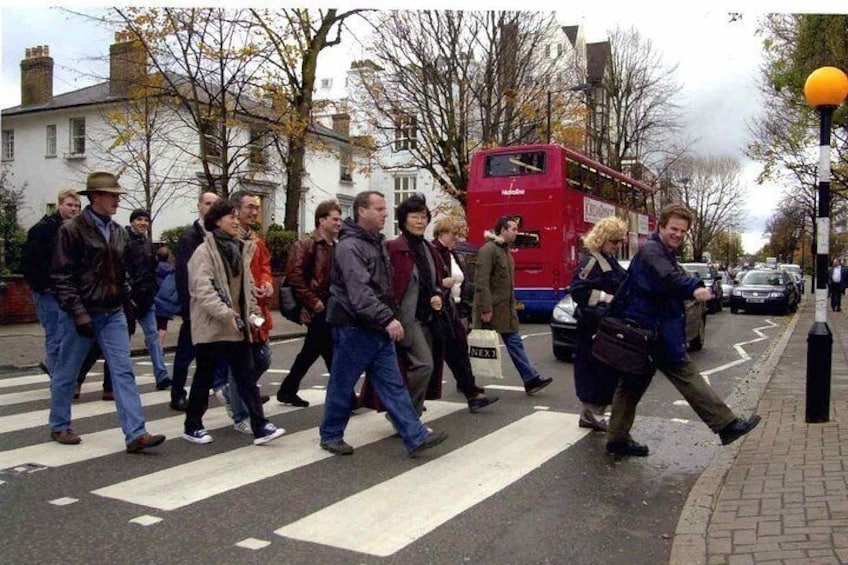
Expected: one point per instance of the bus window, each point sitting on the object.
(574, 174)
(608, 188)
(527, 239)
(515, 164)
(590, 180)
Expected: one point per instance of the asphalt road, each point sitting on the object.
(516, 483)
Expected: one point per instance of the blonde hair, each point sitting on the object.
(67, 193)
(605, 230)
(448, 224)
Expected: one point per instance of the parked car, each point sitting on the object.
(564, 325)
(796, 272)
(726, 287)
(765, 289)
(709, 275)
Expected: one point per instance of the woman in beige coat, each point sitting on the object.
(222, 310)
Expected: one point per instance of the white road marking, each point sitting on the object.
(107, 442)
(44, 394)
(739, 347)
(374, 522)
(186, 484)
(145, 520)
(26, 380)
(253, 543)
(64, 501)
(506, 387)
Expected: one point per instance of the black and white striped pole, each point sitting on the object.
(825, 89)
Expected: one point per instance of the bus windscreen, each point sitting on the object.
(515, 164)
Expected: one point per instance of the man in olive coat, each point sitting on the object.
(494, 299)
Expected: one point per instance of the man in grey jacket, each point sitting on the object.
(363, 316)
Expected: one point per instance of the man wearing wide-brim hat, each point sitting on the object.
(89, 278)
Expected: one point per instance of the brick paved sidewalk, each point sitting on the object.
(781, 495)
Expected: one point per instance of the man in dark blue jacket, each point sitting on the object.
(654, 298)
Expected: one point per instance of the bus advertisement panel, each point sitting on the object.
(556, 195)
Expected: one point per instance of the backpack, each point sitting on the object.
(290, 306)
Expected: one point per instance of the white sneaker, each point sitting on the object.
(268, 433)
(198, 436)
(243, 427)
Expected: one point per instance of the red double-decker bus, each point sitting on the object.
(556, 195)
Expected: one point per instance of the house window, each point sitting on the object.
(210, 138)
(404, 187)
(8, 144)
(326, 83)
(346, 165)
(258, 146)
(77, 141)
(559, 49)
(346, 204)
(406, 132)
(51, 141)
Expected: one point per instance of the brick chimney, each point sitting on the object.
(37, 76)
(341, 124)
(127, 64)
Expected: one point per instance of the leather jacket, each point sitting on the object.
(88, 274)
(308, 272)
(141, 270)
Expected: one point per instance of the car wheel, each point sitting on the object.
(697, 342)
(562, 353)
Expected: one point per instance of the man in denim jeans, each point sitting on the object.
(89, 277)
(40, 242)
(494, 298)
(363, 316)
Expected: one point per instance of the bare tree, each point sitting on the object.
(645, 119)
(710, 187)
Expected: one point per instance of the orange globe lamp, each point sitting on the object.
(826, 86)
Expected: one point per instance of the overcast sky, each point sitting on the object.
(717, 62)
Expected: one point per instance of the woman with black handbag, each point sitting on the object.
(595, 281)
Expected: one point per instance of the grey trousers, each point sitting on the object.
(687, 379)
(415, 354)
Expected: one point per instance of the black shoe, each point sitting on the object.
(738, 428)
(475, 404)
(292, 399)
(264, 398)
(537, 384)
(592, 422)
(179, 405)
(338, 447)
(434, 438)
(164, 384)
(627, 447)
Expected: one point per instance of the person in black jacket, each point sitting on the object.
(596, 279)
(40, 243)
(186, 246)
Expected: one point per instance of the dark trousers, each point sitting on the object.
(182, 359)
(237, 356)
(836, 291)
(318, 343)
(456, 358)
(686, 378)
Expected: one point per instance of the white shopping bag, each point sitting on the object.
(485, 354)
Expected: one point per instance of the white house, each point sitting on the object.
(52, 142)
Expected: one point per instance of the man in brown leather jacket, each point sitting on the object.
(308, 272)
(89, 278)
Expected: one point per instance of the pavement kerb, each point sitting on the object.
(690, 537)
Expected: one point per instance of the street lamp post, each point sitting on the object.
(825, 89)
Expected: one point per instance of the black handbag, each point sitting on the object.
(623, 346)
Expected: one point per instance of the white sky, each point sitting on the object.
(717, 62)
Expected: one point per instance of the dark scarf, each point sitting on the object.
(230, 249)
(423, 310)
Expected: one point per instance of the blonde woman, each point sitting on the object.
(597, 277)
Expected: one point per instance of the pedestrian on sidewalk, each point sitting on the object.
(308, 273)
(364, 318)
(653, 297)
(836, 282)
(596, 279)
(40, 243)
(89, 277)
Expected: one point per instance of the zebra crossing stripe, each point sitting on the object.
(107, 442)
(198, 480)
(389, 516)
(25, 380)
(44, 393)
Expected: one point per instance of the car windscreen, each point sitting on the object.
(702, 270)
(755, 277)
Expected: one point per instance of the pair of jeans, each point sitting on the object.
(261, 352)
(357, 350)
(147, 321)
(49, 316)
(318, 343)
(111, 334)
(237, 356)
(515, 348)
